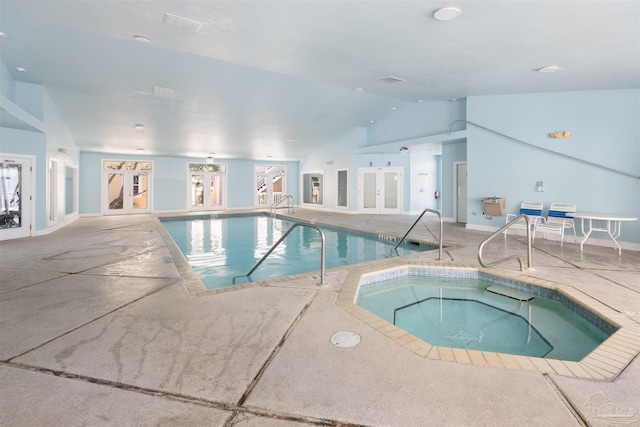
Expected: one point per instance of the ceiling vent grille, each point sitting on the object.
(391, 79)
(164, 92)
(182, 23)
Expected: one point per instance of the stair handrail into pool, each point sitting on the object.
(284, 198)
(395, 248)
(284, 236)
(496, 233)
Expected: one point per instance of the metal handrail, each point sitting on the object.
(297, 224)
(416, 222)
(503, 228)
(275, 205)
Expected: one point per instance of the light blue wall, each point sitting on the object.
(423, 179)
(415, 121)
(604, 126)
(169, 181)
(45, 144)
(328, 159)
(378, 145)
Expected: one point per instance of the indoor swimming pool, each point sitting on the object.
(474, 314)
(222, 248)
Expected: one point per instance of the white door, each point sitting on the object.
(270, 185)
(207, 191)
(127, 192)
(380, 190)
(16, 192)
(461, 193)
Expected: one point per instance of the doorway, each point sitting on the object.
(380, 190)
(270, 185)
(16, 180)
(127, 187)
(460, 197)
(207, 186)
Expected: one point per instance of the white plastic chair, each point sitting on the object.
(532, 209)
(557, 221)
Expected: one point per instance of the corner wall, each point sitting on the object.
(604, 126)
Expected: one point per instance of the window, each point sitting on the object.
(343, 188)
(53, 189)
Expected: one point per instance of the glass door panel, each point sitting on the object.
(15, 197)
(390, 190)
(115, 191)
(263, 191)
(11, 213)
(215, 195)
(197, 191)
(370, 190)
(139, 191)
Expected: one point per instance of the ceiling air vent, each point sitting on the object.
(182, 23)
(164, 92)
(391, 79)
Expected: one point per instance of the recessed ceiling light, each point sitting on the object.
(549, 69)
(139, 127)
(3, 35)
(420, 100)
(359, 89)
(142, 39)
(139, 149)
(394, 108)
(447, 13)
(372, 121)
(21, 69)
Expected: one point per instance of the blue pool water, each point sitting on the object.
(219, 249)
(460, 313)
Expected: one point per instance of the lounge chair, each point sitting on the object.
(557, 221)
(532, 209)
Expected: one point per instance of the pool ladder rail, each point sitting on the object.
(502, 229)
(286, 198)
(284, 236)
(395, 248)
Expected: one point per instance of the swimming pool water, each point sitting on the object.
(219, 249)
(460, 313)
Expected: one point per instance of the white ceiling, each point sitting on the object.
(277, 78)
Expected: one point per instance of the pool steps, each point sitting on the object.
(509, 293)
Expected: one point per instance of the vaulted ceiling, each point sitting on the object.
(252, 79)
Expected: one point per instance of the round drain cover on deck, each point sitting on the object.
(345, 339)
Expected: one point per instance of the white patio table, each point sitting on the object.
(613, 225)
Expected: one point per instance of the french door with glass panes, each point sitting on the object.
(270, 185)
(15, 194)
(207, 187)
(380, 190)
(127, 187)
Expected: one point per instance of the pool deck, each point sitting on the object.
(101, 323)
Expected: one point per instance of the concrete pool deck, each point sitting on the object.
(98, 328)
